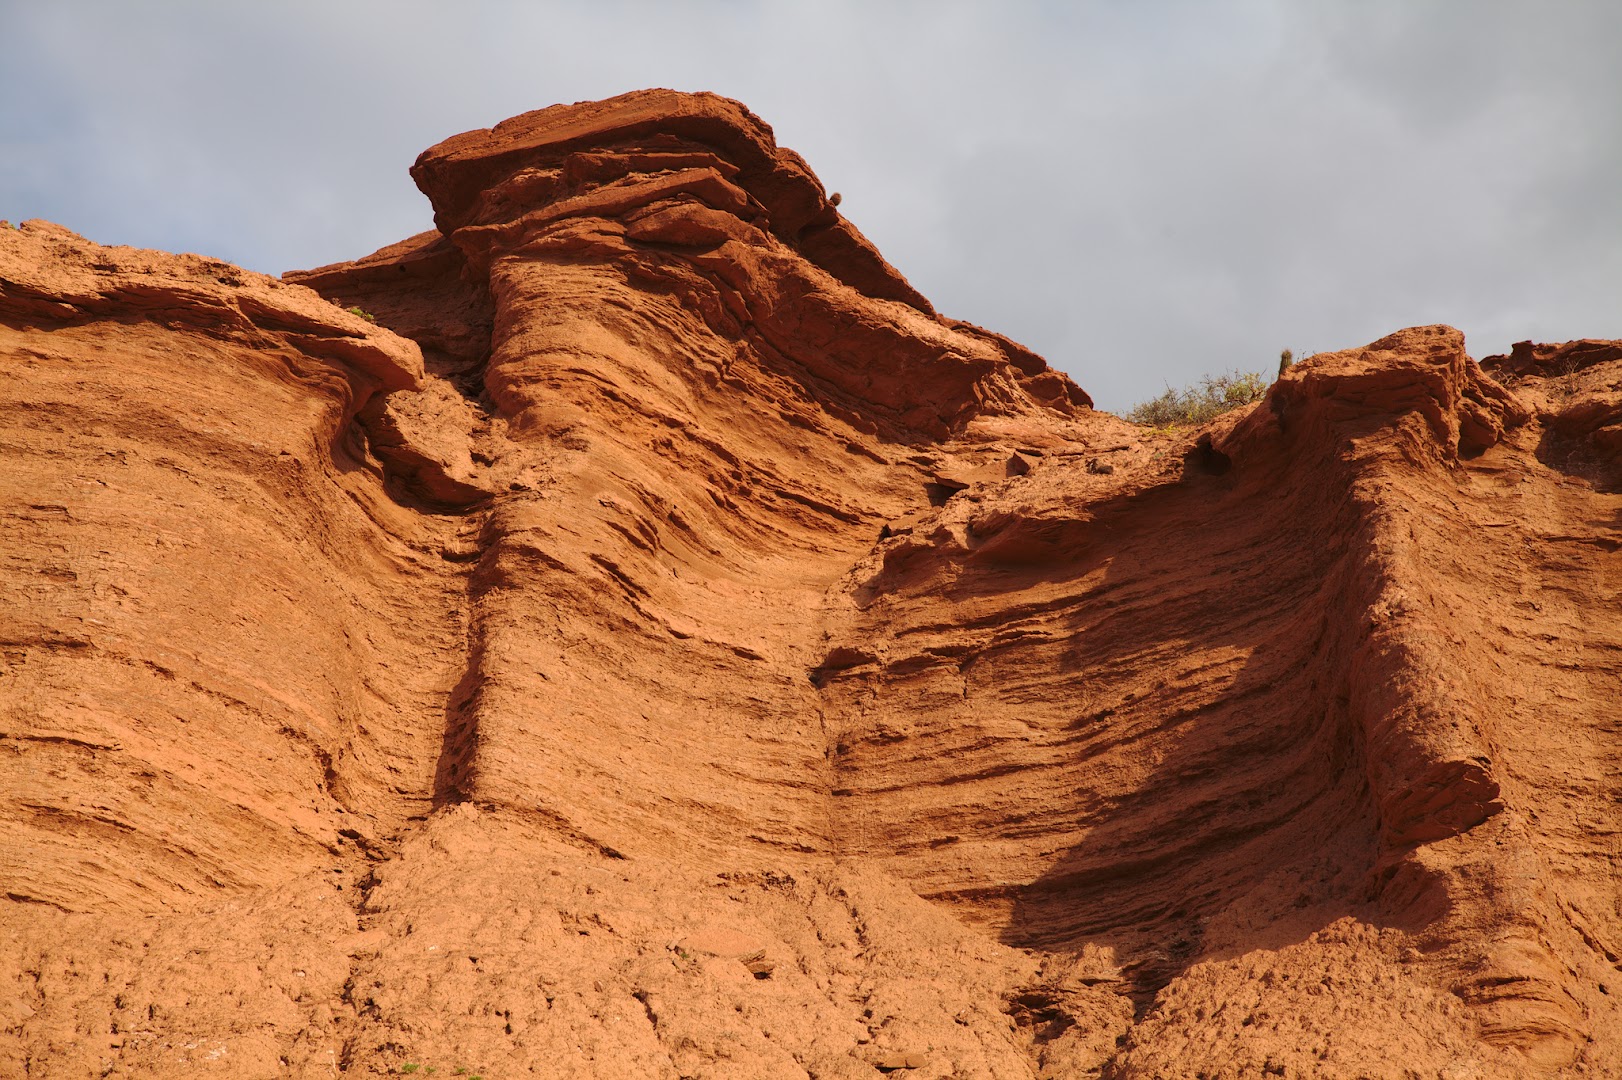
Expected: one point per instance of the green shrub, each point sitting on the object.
(1194, 405)
(367, 315)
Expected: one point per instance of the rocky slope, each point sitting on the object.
(627, 630)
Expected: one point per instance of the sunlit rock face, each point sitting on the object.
(626, 628)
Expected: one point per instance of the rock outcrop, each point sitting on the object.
(627, 629)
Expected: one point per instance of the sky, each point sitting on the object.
(1143, 191)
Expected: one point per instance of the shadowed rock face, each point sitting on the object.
(647, 637)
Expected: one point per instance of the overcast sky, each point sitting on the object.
(1142, 191)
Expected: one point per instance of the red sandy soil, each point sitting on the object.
(661, 645)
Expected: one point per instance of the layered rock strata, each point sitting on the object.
(627, 628)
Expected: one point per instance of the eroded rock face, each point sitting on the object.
(649, 638)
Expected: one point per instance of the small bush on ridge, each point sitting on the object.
(1193, 405)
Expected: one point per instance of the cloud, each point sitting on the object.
(1142, 192)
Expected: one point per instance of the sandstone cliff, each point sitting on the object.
(626, 630)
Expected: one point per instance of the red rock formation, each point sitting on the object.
(660, 642)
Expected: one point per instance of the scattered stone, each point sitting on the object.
(726, 943)
(911, 1059)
